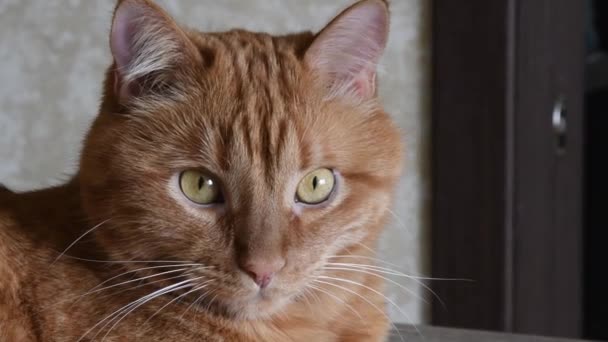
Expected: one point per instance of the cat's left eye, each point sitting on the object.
(200, 188)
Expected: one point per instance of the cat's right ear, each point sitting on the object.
(147, 45)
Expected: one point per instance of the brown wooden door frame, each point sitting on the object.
(507, 208)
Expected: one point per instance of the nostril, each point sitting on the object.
(262, 272)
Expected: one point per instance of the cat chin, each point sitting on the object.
(263, 310)
(252, 309)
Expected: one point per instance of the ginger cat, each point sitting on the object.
(232, 188)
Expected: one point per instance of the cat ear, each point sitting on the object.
(146, 43)
(345, 54)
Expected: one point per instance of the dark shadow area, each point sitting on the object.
(596, 149)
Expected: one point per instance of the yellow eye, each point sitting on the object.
(199, 188)
(316, 186)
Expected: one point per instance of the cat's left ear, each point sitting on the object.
(345, 54)
(147, 45)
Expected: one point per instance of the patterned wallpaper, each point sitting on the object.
(54, 52)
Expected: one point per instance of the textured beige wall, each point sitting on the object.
(53, 54)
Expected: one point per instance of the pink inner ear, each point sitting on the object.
(123, 32)
(348, 50)
(145, 42)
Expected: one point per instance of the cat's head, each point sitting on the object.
(257, 156)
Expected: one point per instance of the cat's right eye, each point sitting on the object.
(200, 188)
(316, 187)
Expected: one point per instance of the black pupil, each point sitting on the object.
(201, 182)
(315, 182)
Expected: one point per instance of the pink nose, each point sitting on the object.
(262, 271)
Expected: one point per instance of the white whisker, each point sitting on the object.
(373, 252)
(197, 300)
(400, 222)
(129, 261)
(203, 285)
(78, 239)
(388, 271)
(208, 306)
(378, 276)
(117, 312)
(147, 283)
(307, 293)
(376, 292)
(399, 273)
(144, 301)
(134, 280)
(340, 300)
(367, 301)
(95, 288)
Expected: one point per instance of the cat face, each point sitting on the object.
(257, 157)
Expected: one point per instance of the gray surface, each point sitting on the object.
(433, 334)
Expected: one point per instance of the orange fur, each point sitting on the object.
(250, 109)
